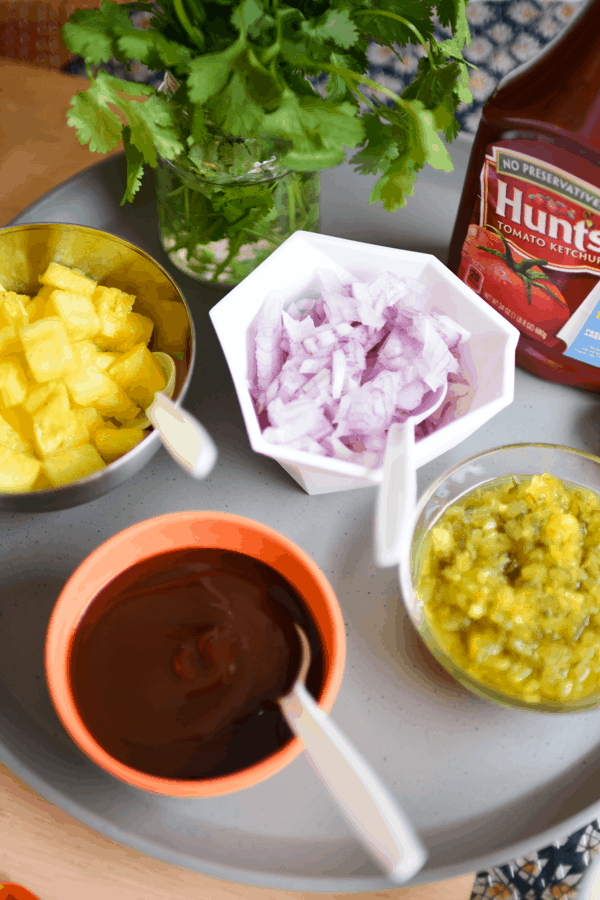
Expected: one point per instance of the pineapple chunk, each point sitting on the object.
(42, 482)
(105, 360)
(11, 438)
(140, 331)
(68, 280)
(38, 395)
(90, 417)
(114, 442)
(18, 471)
(146, 326)
(128, 416)
(113, 306)
(36, 309)
(10, 342)
(21, 421)
(43, 301)
(48, 350)
(172, 325)
(73, 464)
(139, 374)
(14, 309)
(78, 314)
(13, 383)
(89, 386)
(55, 425)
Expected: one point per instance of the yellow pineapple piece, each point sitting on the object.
(90, 417)
(114, 442)
(68, 280)
(43, 302)
(38, 395)
(86, 354)
(13, 383)
(73, 464)
(48, 349)
(128, 416)
(105, 360)
(36, 309)
(10, 342)
(55, 425)
(18, 471)
(78, 314)
(14, 309)
(90, 386)
(10, 437)
(21, 422)
(140, 331)
(172, 325)
(113, 306)
(139, 375)
(146, 326)
(42, 482)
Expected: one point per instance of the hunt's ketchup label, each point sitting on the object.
(532, 250)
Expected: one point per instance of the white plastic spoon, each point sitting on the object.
(380, 825)
(397, 496)
(188, 442)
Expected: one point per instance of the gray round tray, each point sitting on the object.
(482, 784)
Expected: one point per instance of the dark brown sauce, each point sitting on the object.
(177, 664)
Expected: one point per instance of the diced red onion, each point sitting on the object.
(333, 373)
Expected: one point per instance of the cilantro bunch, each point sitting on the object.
(243, 70)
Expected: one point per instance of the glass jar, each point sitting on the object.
(227, 205)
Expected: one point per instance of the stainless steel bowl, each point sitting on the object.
(25, 252)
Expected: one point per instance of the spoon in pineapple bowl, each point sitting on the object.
(379, 823)
(182, 435)
(397, 495)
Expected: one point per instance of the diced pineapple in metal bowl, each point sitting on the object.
(90, 328)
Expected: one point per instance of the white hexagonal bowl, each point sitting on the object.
(487, 358)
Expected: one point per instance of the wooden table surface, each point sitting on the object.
(41, 847)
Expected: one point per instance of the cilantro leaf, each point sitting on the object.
(208, 74)
(453, 13)
(96, 124)
(150, 123)
(381, 148)
(235, 110)
(86, 39)
(334, 25)
(135, 167)
(318, 131)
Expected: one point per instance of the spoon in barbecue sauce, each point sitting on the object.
(380, 825)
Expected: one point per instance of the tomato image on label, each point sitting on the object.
(520, 287)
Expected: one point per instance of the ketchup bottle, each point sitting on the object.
(527, 233)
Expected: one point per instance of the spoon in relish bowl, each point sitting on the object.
(379, 823)
(397, 495)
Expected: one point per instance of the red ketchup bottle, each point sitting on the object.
(527, 233)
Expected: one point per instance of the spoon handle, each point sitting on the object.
(188, 442)
(397, 496)
(381, 826)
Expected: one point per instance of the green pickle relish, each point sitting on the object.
(510, 583)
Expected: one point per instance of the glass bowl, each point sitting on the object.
(571, 466)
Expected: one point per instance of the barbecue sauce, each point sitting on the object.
(527, 233)
(176, 667)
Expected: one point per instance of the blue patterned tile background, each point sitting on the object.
(504, 34)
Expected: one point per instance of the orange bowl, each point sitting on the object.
(175, 532)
